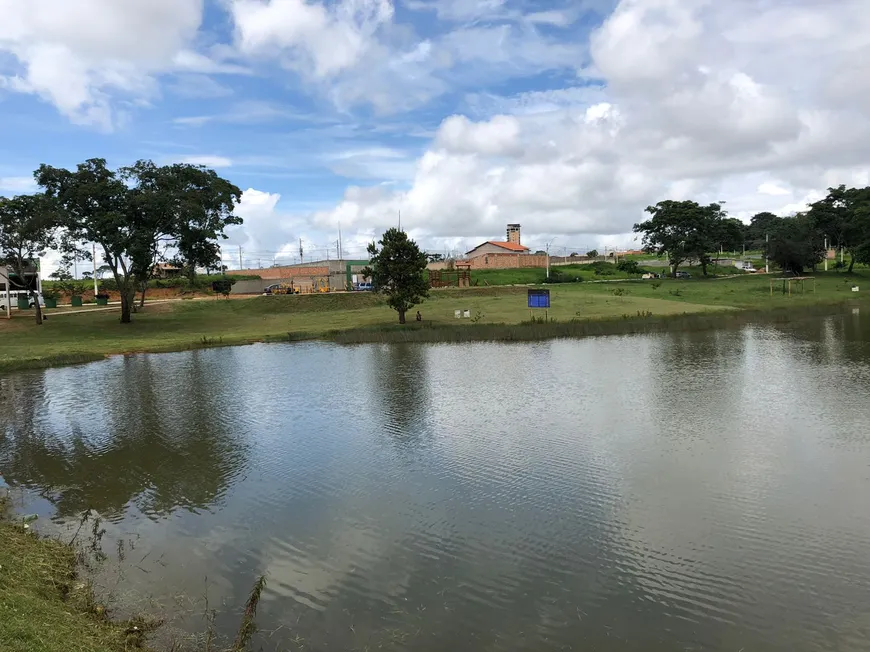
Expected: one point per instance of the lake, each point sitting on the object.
(689, 491)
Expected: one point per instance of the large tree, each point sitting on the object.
(28, 228)
(682, 230)
(186, 208)
(843, 216)
(136, 213)
(795, 243)
(760, 227)
(397, 269)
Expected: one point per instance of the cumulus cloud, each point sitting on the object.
(703, 100)
(80, 55)
(313, 37)
(265, 227)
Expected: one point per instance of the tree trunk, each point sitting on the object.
(401, 316)
(128, 298)
(704, 268)
(37, 306)
(142, 298)
(851, 262)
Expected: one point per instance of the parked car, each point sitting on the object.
(650, 275)
(364, 287)
(682, 275)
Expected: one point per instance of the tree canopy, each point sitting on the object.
(137, 214)
(28, 228)
(843, 216)
(795, 243)
(397, 269)
(684, 231)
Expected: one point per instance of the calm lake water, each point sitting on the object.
(692, 491)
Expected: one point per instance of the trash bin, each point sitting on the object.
(23, 302)
(75, 302)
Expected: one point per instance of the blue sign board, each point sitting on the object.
(539, 298)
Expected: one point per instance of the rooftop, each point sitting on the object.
(510, 246)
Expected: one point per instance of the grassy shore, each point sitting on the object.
(496, 313)
(43, 605)
(48, 605)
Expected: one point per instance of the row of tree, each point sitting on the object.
(135, 216)
(687, 231)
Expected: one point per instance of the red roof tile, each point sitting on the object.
(509, 246)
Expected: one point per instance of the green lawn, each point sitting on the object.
(193, 324)
(586, 272)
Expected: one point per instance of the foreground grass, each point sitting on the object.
(47, 606)
(43, 608)
(496, 313)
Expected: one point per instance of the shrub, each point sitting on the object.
(223, 286)
(629, 267)
(602, 268)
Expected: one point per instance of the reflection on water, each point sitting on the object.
(689, 491)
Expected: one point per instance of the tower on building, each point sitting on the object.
(513, 233)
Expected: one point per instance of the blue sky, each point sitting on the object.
(569, 117)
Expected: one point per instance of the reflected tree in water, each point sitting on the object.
(157, 445)
(400, 386)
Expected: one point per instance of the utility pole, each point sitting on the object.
(94, 256)
(766, 249)
(301, 259)
(548, 257)
(241, 266)
(340, 252)
(400, 220)
(826, 253)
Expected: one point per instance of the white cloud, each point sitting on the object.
(497, 137)
(77, 54)
(355, 53)
(17, 185)
(770, 188)
(312, 38)
(207, 160)
(702, 100)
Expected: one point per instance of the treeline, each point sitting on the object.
(134, 218)
(687, 231)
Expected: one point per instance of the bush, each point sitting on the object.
(602, 268)
(629, 267)
(223, 286)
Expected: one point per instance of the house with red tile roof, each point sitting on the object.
(511, 245)
(495, 247)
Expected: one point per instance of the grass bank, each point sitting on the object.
(578, 309)
(44, 607)
(47, 605)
